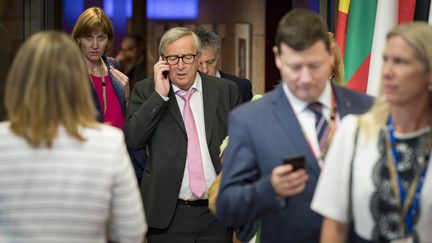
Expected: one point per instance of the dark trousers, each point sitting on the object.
(191, 224)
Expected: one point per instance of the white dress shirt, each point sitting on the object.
(196, 103)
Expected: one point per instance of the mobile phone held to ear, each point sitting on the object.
(165, 74)
(297, 161)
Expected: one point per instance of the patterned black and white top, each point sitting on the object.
(384, 203)
(375, 210)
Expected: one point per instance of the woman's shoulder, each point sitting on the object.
(103, 132)
(5, 128)
(349, 121)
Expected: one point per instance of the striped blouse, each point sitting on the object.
(72, 192)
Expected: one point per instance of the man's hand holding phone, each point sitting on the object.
(162, 84)
(297, 161)
(290, 178)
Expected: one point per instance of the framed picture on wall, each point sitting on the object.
(243, 50)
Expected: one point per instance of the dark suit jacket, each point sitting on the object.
(244, 86)
(157, 123)
(261, 134)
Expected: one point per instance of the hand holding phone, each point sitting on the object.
(162, 84)
(287, 182)
(297, 161)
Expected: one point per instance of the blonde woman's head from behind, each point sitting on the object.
(48, 86)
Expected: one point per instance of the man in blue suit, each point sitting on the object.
(255, 182)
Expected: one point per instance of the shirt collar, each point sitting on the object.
(299, 105)
(197, 84)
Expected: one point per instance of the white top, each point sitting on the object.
(196, 103)
(72, 192)
(331, 195)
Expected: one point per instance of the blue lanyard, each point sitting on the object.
(409, 216)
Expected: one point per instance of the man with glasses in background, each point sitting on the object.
(181, 115)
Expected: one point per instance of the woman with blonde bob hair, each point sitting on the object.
(382, 178)
(59, 181)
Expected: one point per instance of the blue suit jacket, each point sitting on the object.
(261, 134)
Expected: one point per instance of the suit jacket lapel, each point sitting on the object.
(344, 104)
(288, 121)
(210, 100)
(174, 110)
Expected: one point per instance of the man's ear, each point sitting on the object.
(277, 56)
(275, 50)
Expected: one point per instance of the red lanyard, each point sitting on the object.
(332, 127)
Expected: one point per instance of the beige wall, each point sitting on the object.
(223, 15)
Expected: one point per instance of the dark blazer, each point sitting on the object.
(117, 86)
(244, 86)
(261, 134)
(157, 123)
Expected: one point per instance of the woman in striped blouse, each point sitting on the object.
(60, 181)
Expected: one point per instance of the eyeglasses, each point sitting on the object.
(173, 60)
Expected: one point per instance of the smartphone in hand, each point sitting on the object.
(165, 74)
(297, 161)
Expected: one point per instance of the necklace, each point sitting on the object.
(104, 95)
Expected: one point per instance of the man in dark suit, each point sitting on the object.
(161, 116)
(209, 62)
(256, 184)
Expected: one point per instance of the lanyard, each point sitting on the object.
(104, 91)
(408, 204)
(104, 88)
(332, 129)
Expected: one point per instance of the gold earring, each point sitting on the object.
(332, 75)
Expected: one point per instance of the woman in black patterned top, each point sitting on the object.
(390, 177)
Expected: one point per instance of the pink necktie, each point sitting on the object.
(196, 171)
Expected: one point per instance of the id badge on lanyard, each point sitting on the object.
(409, 202)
